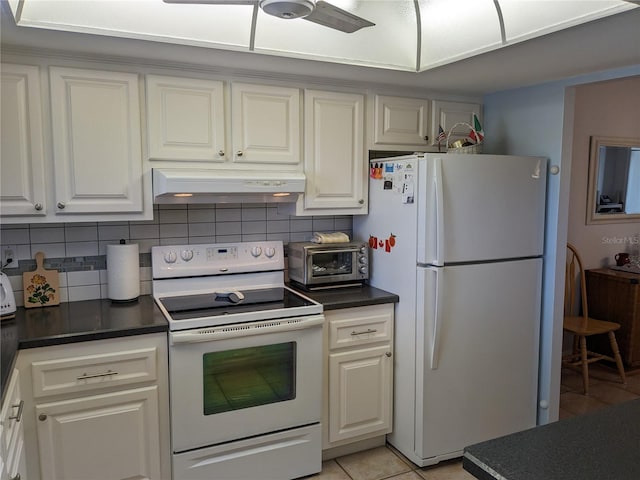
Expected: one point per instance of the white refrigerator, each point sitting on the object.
(460, 239)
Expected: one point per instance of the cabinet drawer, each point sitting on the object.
(360, 326)
(93, 372)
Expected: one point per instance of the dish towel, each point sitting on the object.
(336, 237)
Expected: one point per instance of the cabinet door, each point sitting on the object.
(108, 436)
(185, 119)
(13, 461)
(360, 392)
(22, 187)
(96, 139)
(266, 125)
(401, 121)
(334, 157)
(447, 114)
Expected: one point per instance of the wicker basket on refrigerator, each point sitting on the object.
(475, 148)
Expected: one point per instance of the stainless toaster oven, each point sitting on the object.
(322, 265)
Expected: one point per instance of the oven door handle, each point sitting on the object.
(245, 329)
(334, 250)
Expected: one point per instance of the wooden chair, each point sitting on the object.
(581, 326)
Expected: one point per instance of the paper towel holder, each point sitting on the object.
(133, 293)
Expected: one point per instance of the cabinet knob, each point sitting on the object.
(388, 354)
(38, 206)
(239, 153)
(221, 153)
(361, 201)
(426, 138)
(42, 417)
(61, 205)
(17, 477)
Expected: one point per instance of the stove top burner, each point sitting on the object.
(226, 303)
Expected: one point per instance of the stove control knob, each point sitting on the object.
(362, 269)
(256, 251)
(269, 251)
(186, 255)
(170, 257)
(362, 259)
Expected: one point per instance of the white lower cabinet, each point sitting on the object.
(97, 410)
(114, 435)
(13, 464)
(358, 383)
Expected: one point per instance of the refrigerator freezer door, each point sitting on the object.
(480, 207)
(477, 361)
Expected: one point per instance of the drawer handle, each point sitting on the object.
(17, 417)
(108, 373)
(369, 330)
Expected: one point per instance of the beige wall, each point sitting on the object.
(610, 108)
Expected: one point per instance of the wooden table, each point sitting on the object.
(615, 296)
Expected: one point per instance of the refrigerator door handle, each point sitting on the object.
(439, 199)
(437, 327)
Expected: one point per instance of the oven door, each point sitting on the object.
(331, 265)
(236, 381)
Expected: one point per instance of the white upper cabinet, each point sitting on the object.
(265, 126)
(401, 121)
(185, 119)
(447, 114)
(334, 161)
(96, 142)
(22, 162)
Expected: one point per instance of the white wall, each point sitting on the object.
(538, 120)
(610, 108)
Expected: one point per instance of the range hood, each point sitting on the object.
(186, 185)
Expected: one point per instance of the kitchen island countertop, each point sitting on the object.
(594, 446)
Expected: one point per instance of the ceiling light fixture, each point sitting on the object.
(288, 9)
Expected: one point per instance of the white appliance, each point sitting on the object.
(192, 185)
(460, 239)
(245, 363)
(7, 298)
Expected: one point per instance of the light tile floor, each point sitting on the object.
(388, 464)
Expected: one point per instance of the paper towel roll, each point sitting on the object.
(123, 272)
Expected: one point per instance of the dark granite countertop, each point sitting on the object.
(100, 319)
(347, 297)
(598, 445)
(76, 322)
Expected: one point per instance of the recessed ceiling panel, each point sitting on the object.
(444, 31)
(194, 24)
(526, 19)
(457, 29)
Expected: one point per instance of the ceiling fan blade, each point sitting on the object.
(333, 17)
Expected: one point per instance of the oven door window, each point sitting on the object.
(248, 377)
(331, 264)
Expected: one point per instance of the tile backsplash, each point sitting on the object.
(78, 250)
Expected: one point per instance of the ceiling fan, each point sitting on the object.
(316, 11)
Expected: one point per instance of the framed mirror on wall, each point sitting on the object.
(614, 180)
